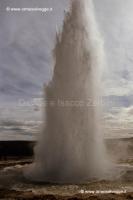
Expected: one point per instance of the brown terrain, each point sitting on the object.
(15, 155)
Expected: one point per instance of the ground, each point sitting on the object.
(14, 186)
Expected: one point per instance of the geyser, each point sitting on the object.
(71, 149)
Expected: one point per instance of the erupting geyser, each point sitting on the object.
(71, 149)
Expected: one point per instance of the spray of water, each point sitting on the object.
(71, 147)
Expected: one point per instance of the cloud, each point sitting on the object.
(27, 40)
(116, 24)
(119, 123)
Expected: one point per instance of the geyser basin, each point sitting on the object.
(14, 186)
(71, 149)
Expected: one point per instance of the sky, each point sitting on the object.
(26, 43)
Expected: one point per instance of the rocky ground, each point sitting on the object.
(19, 195)
(14, 186)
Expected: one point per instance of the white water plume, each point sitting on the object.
(71, 149)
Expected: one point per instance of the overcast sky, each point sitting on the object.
(27, 39)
